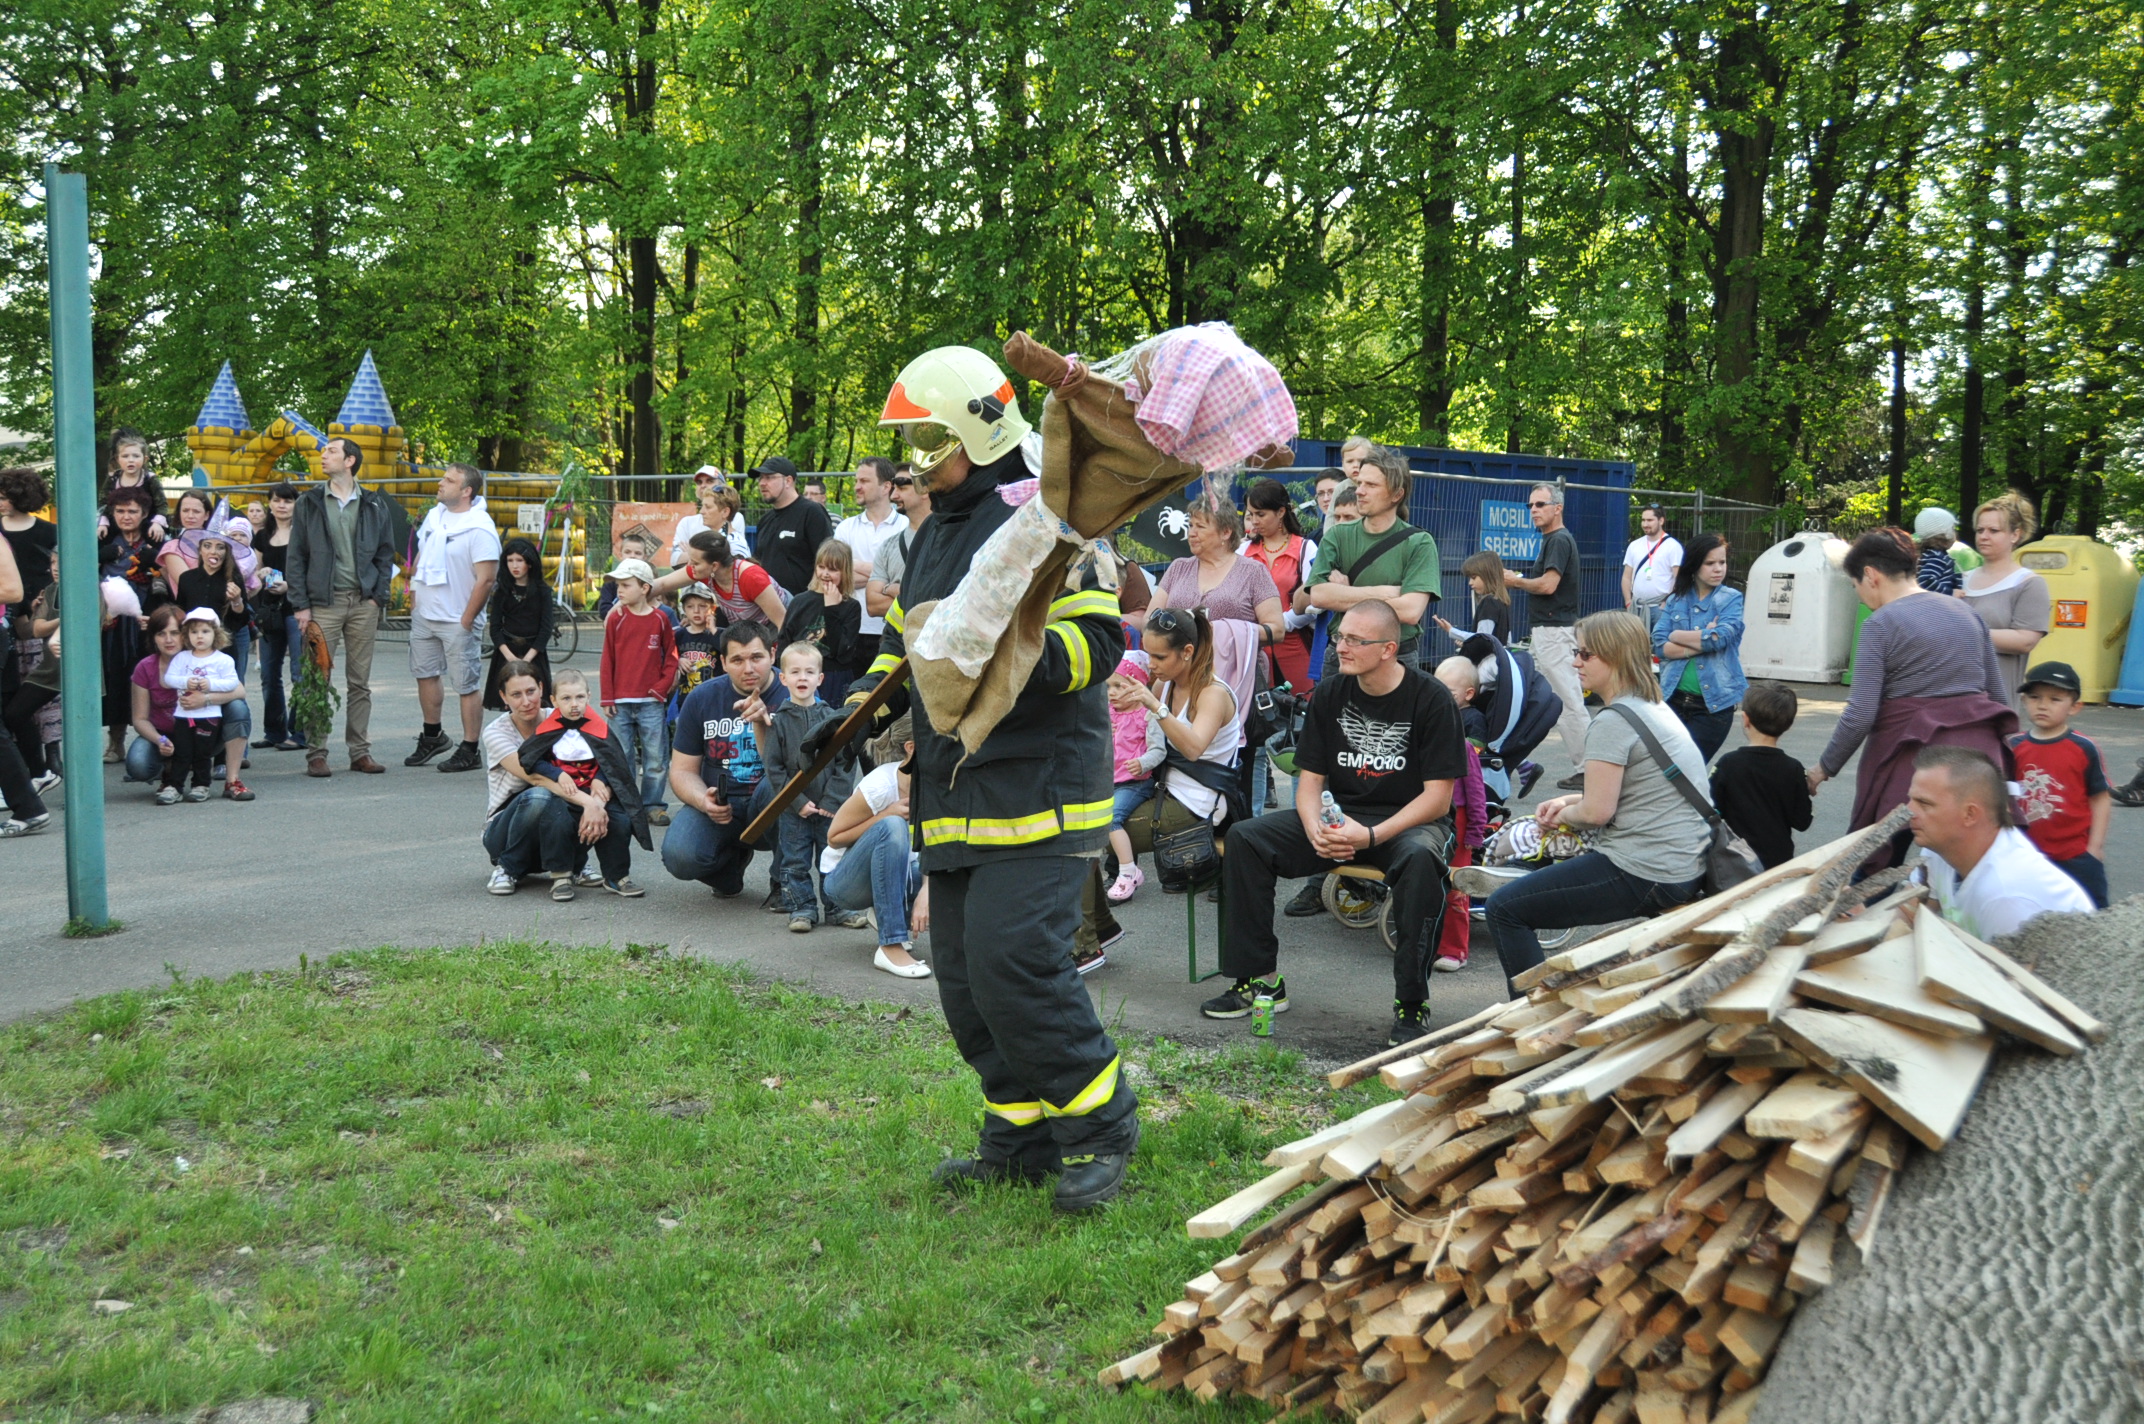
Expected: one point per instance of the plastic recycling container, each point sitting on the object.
(1798, 614)
(2094, 591)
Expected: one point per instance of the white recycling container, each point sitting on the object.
(1798, 612)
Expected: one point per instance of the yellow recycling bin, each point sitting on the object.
(2093, 589)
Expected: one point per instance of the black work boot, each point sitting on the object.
(1091, 1178)
(1308, 901)
(1030, 1167)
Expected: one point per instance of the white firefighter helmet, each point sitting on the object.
(955, 398)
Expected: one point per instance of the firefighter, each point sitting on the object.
(1008, 841)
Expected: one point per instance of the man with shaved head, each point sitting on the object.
(1386, 742)
(1985, 874)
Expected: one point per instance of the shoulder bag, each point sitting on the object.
(1728, 859)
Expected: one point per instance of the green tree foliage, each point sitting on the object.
(1878, 251)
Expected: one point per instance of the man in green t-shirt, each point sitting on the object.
(1405, 573)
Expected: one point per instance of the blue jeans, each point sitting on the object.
(1587, 889)
(879, 873)
(695, 848)
(241, 648)
(1129, 797)
(645, 739)
(802, 838)
(280, 646)
(560, 848)
(513, 837)
(146, 763)
(2088, 871)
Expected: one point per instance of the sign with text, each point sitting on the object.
(1507, 530)
(528, 519)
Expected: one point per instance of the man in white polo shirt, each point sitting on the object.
(449, 583)
(1983, 872)
(1649, 565)
(864, 532)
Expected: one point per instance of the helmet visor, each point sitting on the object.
(933, 442)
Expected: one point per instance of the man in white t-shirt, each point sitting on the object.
(1983, 871)
(450, 581)
(864, 532)
(1649, 565)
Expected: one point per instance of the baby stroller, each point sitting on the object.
(1519, 709)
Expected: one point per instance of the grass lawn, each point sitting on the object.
(533, 1183)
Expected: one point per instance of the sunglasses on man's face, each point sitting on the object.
(903, 481)
(1538, 503)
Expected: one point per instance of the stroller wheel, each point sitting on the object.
(1358, 904)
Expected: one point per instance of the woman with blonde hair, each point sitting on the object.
(2010, 598)
(1649, 844)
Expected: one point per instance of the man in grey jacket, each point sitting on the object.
(341, 560)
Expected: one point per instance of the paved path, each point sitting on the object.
(358, 861)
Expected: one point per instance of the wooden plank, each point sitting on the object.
(1842, 939)
(1812, 1257)
(1596, 1079)
(1356, 1072)
(1804, 1108)
(1314, 1147)
(1722, 1113)
(1885, 982)
(1224, 1217)
(1681, 956)
(1739, 919)
(1922, 1082)
(1759, 996)
(1955, 974)
(2093, 1030)
(1358, 1154)
(1821, 1157)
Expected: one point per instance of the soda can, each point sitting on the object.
(1262, 1016)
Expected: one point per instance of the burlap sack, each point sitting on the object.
(1098, 470)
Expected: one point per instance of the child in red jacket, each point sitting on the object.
(639, 667)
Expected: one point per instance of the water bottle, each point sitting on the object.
(1329, 814)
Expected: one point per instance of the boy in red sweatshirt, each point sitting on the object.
(638, 669)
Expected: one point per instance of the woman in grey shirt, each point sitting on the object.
(1649, 850)
(2010, 598)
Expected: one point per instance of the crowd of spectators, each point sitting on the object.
(718, 679)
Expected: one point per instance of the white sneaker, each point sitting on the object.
(45, 782)
(589, 879)
(501, 882)
(1447, 965)
(916, 970)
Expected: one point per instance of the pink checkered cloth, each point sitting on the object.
(1211, 401)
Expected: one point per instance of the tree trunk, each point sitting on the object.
(1433, 390)
(1743, 133)
(646, 452)
(1973, 409)
(688, 298)
(2018, 463)
(1515, 319)
(1895, 467)
(805, 150)
(1675, 324)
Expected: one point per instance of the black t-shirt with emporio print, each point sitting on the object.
(1375, 752)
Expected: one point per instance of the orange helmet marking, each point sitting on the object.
(900, 407)
(1005, 393)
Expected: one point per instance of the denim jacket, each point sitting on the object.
(1719, 664)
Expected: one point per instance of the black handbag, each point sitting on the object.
(1728, 859)
(1187, 859)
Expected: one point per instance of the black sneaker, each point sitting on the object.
(1088, 1179)
(1529, 773)
(466, 758)
(1576, 781)
(1308, 901)
(429, 745)
(1409, 1022)
(1236, 1002)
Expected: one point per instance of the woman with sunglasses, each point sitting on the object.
(1649, 845)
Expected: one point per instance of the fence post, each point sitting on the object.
(1699, 516)
(74, 433)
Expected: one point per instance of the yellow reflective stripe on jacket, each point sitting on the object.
(1018, 1114)
(1088, 815)
(1076, 653)
(883, 664)
(1096, 1093)
(1085, 603)
(1017, 830)
(896, 619)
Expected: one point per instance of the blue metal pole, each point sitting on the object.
(74, 431)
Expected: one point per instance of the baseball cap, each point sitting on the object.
(1934, 520)
(2060, 676)
(708, 472)
(208, 615)
(696, 590)
(775, 465)
(633, 569)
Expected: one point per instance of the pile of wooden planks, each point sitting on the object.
(1603, 1201)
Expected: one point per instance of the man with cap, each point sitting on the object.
(1009, 840)
(791, 527)
(1936, 529)
(1649, 565)
(2063, 796)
